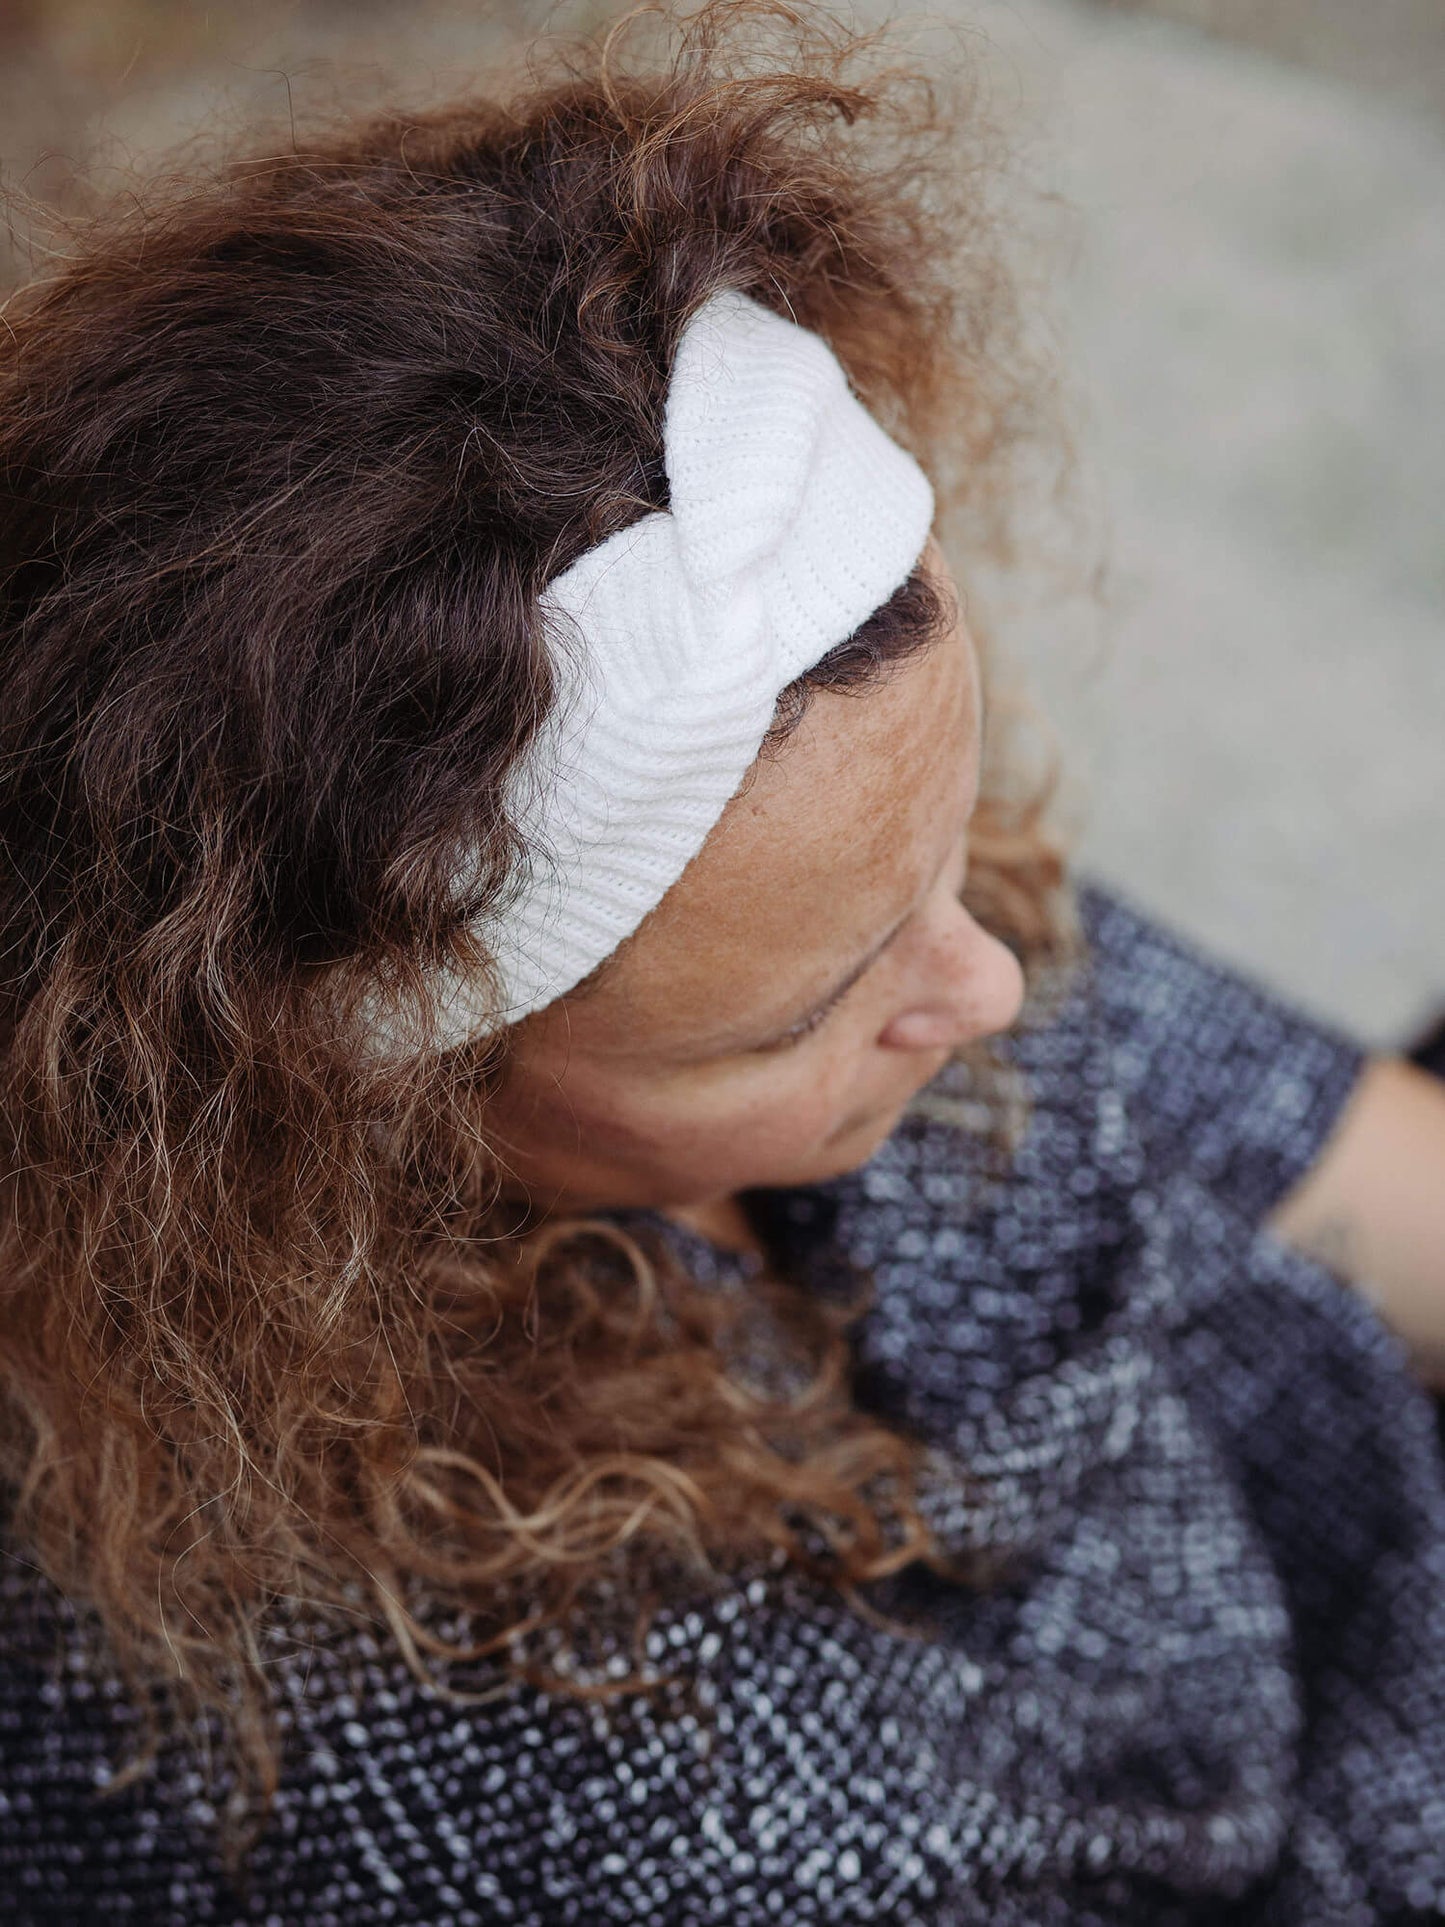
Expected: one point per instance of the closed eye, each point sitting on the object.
(814, 1021)
(790, 1039)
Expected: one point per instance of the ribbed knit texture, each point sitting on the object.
(793, 516)
(1213, 1692)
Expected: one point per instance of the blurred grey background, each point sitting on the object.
(1242, 264)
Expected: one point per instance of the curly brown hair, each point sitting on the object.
(287, 455)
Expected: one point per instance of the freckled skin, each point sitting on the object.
(646, 1090)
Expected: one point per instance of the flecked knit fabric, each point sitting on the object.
(1211, 1691)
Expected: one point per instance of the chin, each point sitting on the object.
(855, 1142)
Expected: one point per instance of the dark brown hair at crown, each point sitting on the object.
(286, 457)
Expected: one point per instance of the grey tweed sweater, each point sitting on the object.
(1212, 1690)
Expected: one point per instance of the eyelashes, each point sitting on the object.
(807, 1027)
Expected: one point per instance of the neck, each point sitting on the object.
(722, 1221)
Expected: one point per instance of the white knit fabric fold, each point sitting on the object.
(793, 516)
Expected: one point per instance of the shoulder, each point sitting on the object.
(1227, 1077)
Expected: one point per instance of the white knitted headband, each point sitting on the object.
(793, 516)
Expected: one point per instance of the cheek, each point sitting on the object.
(605, 1135)
(727, 1130)
(748, 1120)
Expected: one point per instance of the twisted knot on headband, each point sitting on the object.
(792, 516)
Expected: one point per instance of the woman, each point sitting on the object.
(619, 1305)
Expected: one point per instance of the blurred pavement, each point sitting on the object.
(1250, 275)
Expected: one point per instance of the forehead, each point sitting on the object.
(823, 848)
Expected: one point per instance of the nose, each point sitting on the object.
(969, 984)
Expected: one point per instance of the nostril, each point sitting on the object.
(924, 1030)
